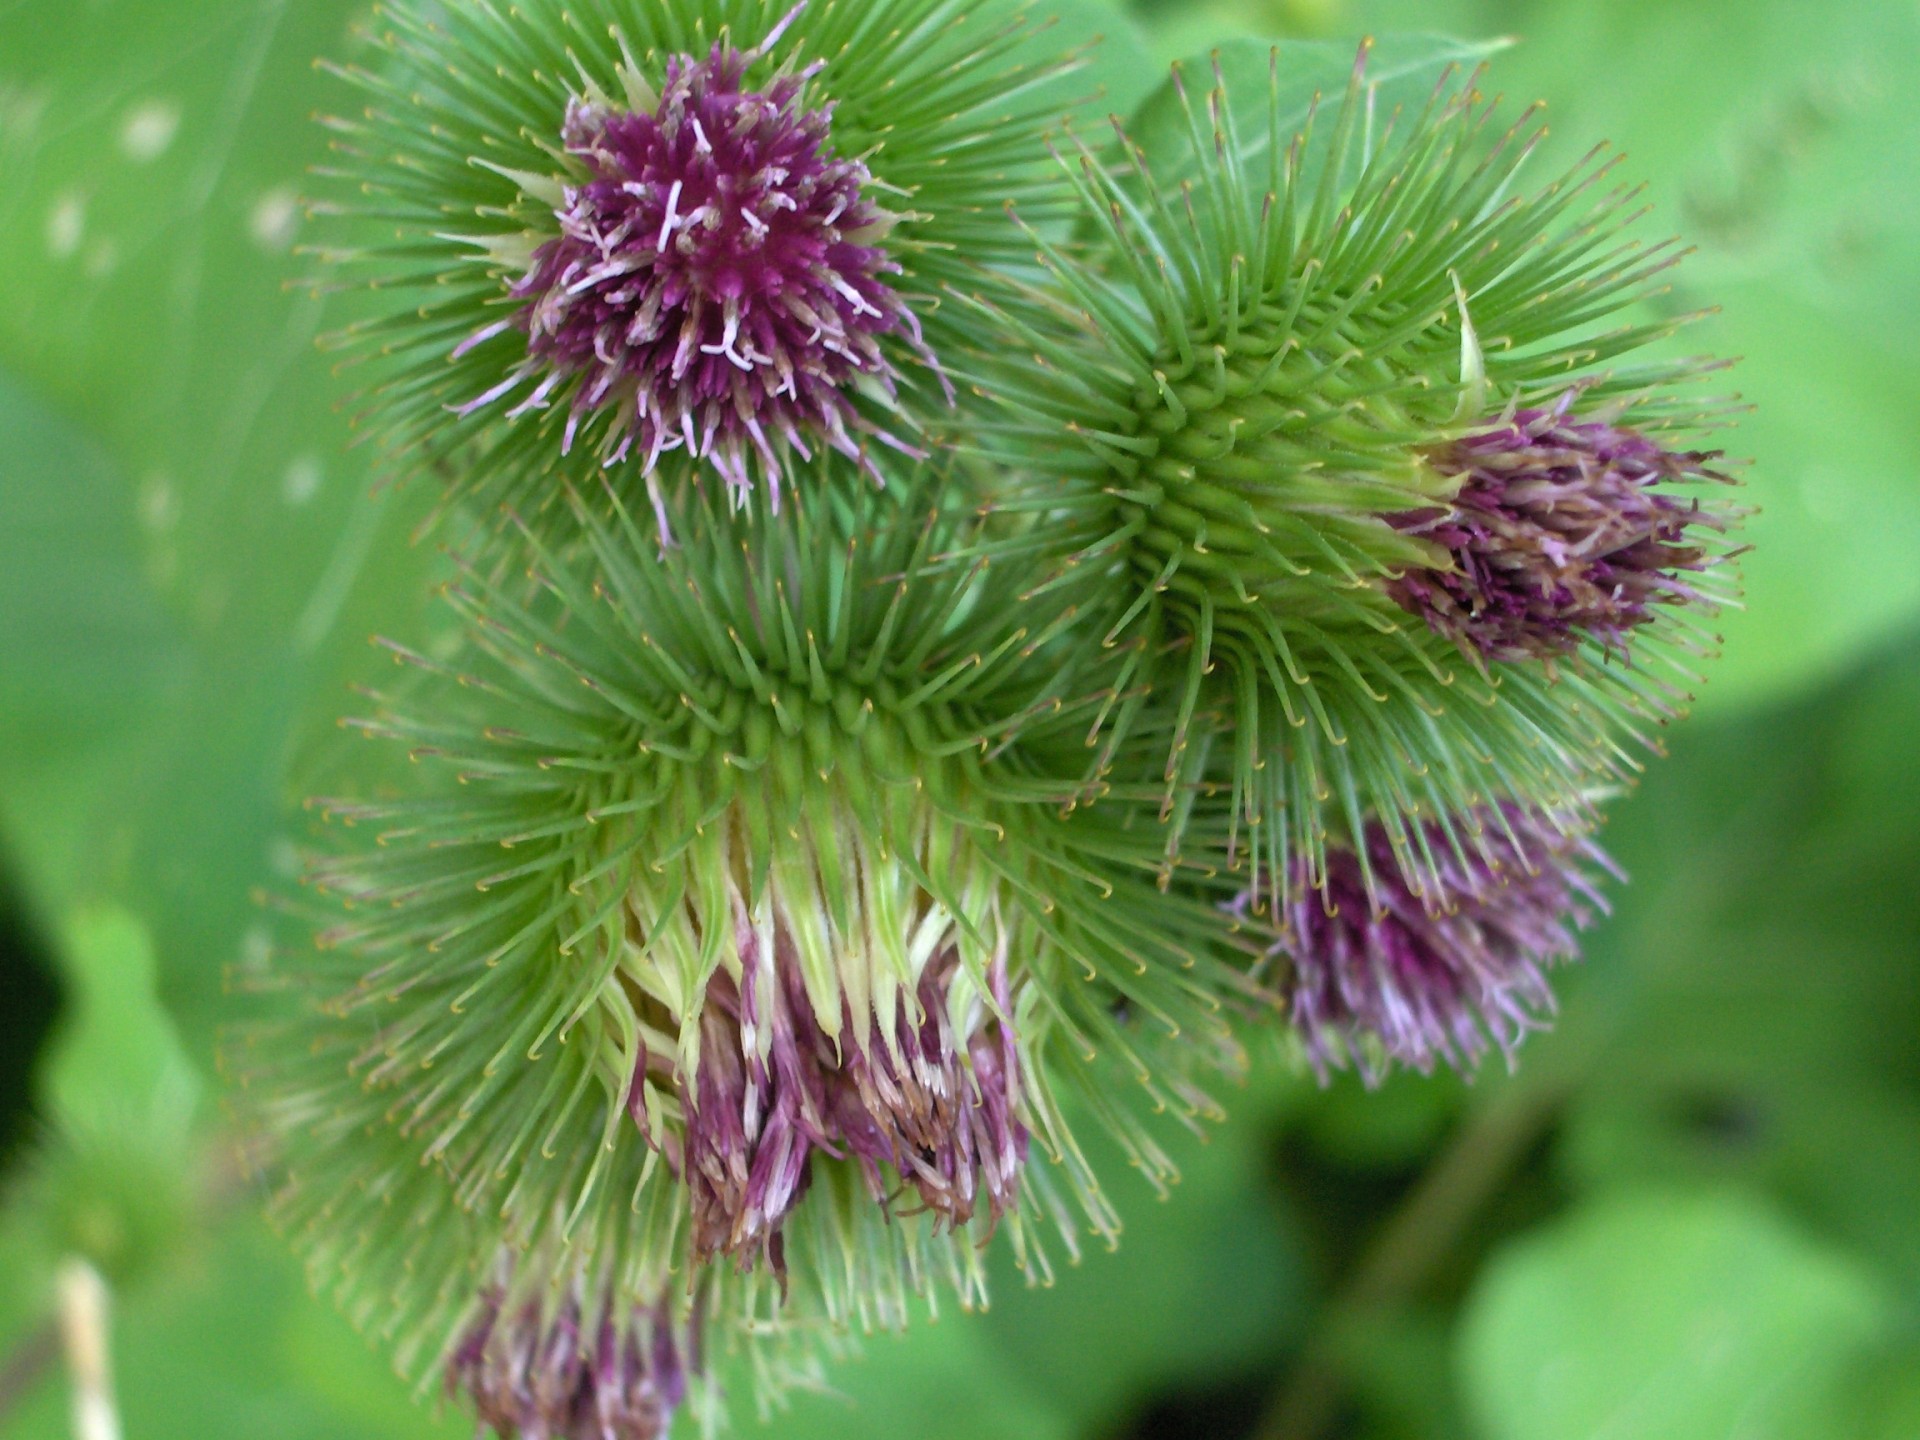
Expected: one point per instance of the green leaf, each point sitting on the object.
(1666, 1315)
(86, 649)
(1401, 72)
(1117, 70)
(83, 640)
(1889, 1407)
(228, 1344)
(116, 1056)
(155, 157)
(1847, 1155)
(1396, 1124)
(1755, 984)
(938, 1381)
(1204, 1284)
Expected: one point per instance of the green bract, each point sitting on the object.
(1248, 368)
(471, 149)
(786, 779)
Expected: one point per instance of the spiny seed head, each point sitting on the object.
(1560, 533)
(774, 869)
(1392, 969)
(867, 1029)
(716, 284)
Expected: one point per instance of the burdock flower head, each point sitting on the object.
(754, 929)
(716, 230)
(1260, 422)
(567, 1366)
(717, 280)
(1563, 530)
(1444, 964)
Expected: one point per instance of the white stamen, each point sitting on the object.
(853, 297)
(773, 35)
(487, 399)
(666, 221)
(480, 337)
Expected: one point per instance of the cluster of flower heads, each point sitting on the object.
(910, 702)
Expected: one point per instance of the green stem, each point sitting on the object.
(1407, 1248)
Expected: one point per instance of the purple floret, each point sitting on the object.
(928, 1106)
(1442, 976)
(1557, 535)
(554, 1373)
(717, 282)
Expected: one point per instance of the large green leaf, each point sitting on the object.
(87, 652)
(154, 156)
(938, 1381)
(1401, 73)
(1205, 1283)
(83, 640)
(1667, 1315)
(1755, 990)
(1115, 69)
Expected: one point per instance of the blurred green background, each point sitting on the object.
(1694, 1213)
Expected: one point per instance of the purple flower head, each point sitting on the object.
(922, 1099)
(535, 1371)
(1558, 534)
(1441, 969)
(717, 281)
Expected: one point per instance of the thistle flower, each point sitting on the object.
(1442, 969)
(763, 926)
(713, 284)
(1556, 536)
(1242, 416)
(557, 1369)
(718, 227)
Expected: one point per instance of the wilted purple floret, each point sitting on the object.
(717, 281)
(1557, 534)
(927, 1106)
(1446, 975)
(551, 1373)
